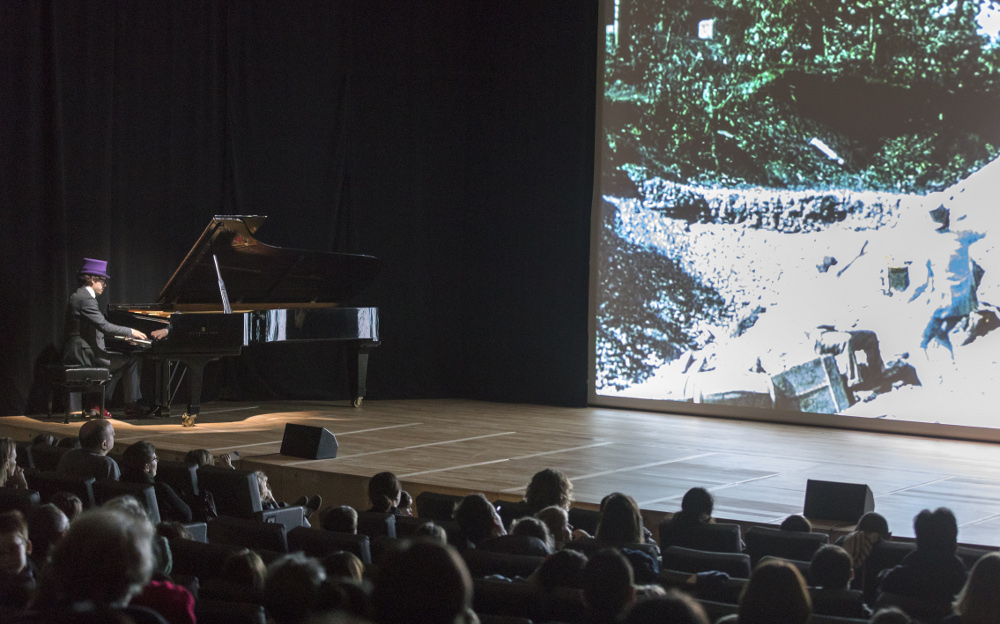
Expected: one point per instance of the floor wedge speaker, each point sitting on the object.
(308, 442)
(844, 502)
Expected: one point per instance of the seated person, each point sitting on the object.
(608, 587)
(478, 520)
(205, 457)
(979, 602)
(621, 522)
(47, 525)
(385, 493)
(557, 520)
(97, 438)
(343, 564)
(139, 464)
(343, 519)
(11, 475)
(405, 506)
(871, 529)
(830, 574)
(775, 594)
(562, 569)
(674, 607)
(267, 500)
(533, 527)
(17, 572)
(422, 583)
(548, 487)
(797, 523)
(696, 509)
(296, 591)
(431, 531)
(69, 503)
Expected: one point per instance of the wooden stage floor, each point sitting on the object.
(757, 471)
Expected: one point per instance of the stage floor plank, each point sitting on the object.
(757, 471)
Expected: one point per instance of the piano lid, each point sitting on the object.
(259, 275)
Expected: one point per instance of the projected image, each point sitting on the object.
(800, 207)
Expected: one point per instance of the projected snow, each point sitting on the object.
(800, 207)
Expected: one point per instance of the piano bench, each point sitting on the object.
(77, 380)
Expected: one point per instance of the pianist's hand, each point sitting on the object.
(138, 334)
(159, 334)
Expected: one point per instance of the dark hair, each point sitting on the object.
(562, 569)
(292, 588)
(343, 564)
(796, 523)
(431, 531)
(775, 594)
(134, 461)
(474, 516)
(873, 522)
(383, 488)
(620, 522)
(977, 602)
(69, 503)
(533, 527)
(607, 582)
(831, 568)
(343, 519)
(936, 530)
(14, 522)
(696, 506)
(244, 567)
(46, 524)
(674, 607)
(43, 439)
(71, 443)
(424, 582)
(548, 487)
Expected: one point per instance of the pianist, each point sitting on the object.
(83, 338)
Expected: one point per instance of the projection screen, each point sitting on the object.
(797, 209)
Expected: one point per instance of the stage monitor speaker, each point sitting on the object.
(308, 442)
(844, 502)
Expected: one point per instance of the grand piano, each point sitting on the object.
(231, 291)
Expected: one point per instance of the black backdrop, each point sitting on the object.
(452, 139)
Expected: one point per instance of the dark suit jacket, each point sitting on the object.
(83, 340)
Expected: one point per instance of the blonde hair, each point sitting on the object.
(8, 449)
(977, 602)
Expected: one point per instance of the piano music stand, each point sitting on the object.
(78, 380)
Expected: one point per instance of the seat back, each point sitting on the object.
(49, 483)
(199, 559)
(516, 545)
(405, 525)
(22, 500)
(198, 531)
(796, 545)
(694, 561)
(437, 507)
(496, 597)
(511, 511)
(586, 519)
(235, 491)
(105, 490)
(46, 457)
(375, 524)
(883, 556)
(710, 536)
(181, 476)
(847, 603)
(317, 543)
(25, 457)
(248, 533)
(227, 612)
(484, 563)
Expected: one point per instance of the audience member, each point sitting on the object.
(831, 568)
(343, 519)
(17, 572)
(796, 523)
(384, 493)
(246, 568)
(405, 506)
(890, 615)
(696, 509)
(205, 457)
(561, 569)
(979, 600)
(139, 465)
(557, 520)
(872, 528)
(267, 500)
(173, 530)
(607, 586)
(674, 607)
(173, 602)
(533, 527)
(293, 589)
(423, 582)
(548, 487)
(432, 531)
(11, 475)
(621, 522)
(927, 580)
(478, 519)
(97, 438)
(69, 503)
(70, 443)
(343, 564)
(43, 439)
(775, 594)
(47, 524)
(130, 505)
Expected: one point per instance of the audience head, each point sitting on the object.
(697, 505)
(343, 564)
(608, 583)
(139, 462)
(263, 488)
(405, 503)
(431, 531)
(128, 504)
(533, 527)
(621, 522)
(936, 530)
(106, 558)
(561, 569)
(293, 588)
(478, 519)
(343, 519)
(97, 436)
(796, 523)
(674, 607)
(43, 439)
(70, 443)
(244, 567)
(8, 459)
(423, 582)
(202, 457)
(14, 544)
(557, 520)
(979, 600)
(775, 594)
(47, 525)
(384, 492)
(549, 487)
(873, 522)
(69, 503)
(890, 615)
(831, 568)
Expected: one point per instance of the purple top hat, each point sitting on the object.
(94, 267)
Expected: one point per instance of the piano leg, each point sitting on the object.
(161, 391)
(359, 373)
(196, 373)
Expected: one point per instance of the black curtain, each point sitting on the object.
(454, 140)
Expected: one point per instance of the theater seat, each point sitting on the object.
(694, 561)
(796, 545)
(317, 543)
(49, 483)
(22, 500)
(710, 536)
(226, 612)
(105, 490)
(847, 603)
(248, 533)
(236, 495)
(437, 507)
(181, 476)
(375, 524)
(483, 563)
(198, 558)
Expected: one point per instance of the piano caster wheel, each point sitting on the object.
(187, 420)
(357, 401)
